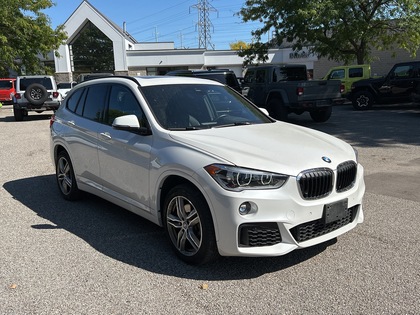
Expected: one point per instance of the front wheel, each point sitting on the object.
(321, 115)
(362, 100)
(277, 109)
(65, 177)
(189, 225)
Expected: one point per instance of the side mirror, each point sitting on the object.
(130, 123)
(264, 110)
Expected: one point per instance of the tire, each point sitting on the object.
(36, 94)
(189, 225)
(18, 113)
(277, 109)
(321, 115)
(66, 180)
(363, 100)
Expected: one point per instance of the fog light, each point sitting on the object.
(247, 207)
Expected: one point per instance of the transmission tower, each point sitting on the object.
(204, 23)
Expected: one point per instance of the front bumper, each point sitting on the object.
(283, 222)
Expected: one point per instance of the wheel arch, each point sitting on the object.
(174, 180)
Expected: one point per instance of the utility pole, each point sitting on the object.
(204, 23)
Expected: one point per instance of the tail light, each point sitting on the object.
(18, 97)
(52, 119)
(55, 94)
(342, 88)
(299, 91)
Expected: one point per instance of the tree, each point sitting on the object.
(342, 30)
(25, 34)
(93, 51)
(239, 45)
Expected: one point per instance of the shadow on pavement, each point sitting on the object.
(381, 126)
(128, 238)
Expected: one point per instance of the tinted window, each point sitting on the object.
(249, 76)
(74, 100)
(355, 72)
(25, 82)
(404, 71)
(95, 101)
(122, 102)
(260, 76)
(337, 74)
(5, 85)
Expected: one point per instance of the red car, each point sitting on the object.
(7, 90)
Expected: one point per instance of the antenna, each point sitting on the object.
(204, 23)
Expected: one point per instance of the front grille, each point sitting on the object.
(259, 234)
(315, 183)
(310, 230)
(346, 176)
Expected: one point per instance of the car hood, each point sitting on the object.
(277, 147)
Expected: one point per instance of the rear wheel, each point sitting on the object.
(189, 225)
(363, 100)
(321, 115)
(18, 113)
(65, 177)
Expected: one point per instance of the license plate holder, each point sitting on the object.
(335, 211)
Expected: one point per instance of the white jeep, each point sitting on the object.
(35, 93)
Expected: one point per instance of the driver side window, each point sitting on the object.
(122, 102)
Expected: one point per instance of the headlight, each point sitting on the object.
(238, 178)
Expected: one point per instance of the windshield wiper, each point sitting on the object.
(238, 123)
(186, 128)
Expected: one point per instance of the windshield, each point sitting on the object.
(199, 106)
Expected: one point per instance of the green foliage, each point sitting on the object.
(92, 51)
(342, 30)
(26, 34)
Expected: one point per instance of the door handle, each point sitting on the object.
(105, 135)
(71, 122)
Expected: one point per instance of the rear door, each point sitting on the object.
(82, 118)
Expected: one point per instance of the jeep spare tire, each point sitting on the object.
(36, 94)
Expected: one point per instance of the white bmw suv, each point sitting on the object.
(197, 158)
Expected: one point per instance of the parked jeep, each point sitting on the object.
(347, 75)
(35, 93)
(7, 90)
(398, 86)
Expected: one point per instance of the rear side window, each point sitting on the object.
(355, 72)
(74, 100)
(94, 102)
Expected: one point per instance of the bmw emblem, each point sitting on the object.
(326, 159)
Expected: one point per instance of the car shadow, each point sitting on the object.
(381, 126)
(133, 240)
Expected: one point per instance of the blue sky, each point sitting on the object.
(166, 20)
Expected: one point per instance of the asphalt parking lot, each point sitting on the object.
(91, 257)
